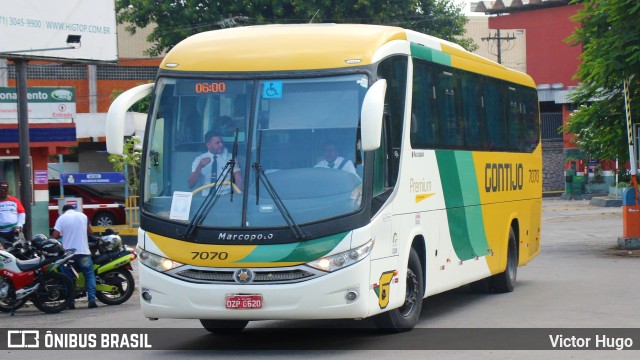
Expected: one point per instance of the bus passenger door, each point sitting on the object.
(385, 267)
(392, 248)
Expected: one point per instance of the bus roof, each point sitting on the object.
(281, 47)
(294, 47)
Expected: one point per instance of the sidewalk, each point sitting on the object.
(581, 223)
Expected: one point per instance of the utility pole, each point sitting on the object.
(498, 38)
(23, 138)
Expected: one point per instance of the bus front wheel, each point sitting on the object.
(222, 327)
(406, 316)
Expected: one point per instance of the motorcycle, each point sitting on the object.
(35, 280)
(22, 250)
(111, 263)
(20, 247)
(112, 266)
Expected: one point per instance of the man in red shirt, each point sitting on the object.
(12, 214)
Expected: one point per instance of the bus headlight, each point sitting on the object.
(343, 259)
(157, 263)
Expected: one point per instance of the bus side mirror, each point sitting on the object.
(117, 113)
(371, 115)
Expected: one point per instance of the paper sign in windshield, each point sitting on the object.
(180, 205)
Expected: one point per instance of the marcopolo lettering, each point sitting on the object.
(245, 237)
(503, 177)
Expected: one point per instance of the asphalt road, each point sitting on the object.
(579, 280)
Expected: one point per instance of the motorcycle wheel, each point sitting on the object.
(123, 280)
(7, 306)
(58, 293)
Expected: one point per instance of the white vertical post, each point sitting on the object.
(92, 74)
(632, 157)
(627, 109)
(615, 197)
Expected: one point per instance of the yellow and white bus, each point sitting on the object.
(440, 182)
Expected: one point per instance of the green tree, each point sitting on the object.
(610, 40)
(130, 158)
(177, 19)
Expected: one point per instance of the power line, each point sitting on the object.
(497, 39)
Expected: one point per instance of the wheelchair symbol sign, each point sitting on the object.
(272, 90)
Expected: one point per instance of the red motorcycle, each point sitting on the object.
(35, 280)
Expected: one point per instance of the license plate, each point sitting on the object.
(243, 301)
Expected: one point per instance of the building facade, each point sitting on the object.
(95, 87)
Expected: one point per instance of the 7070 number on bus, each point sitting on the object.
(209, 255)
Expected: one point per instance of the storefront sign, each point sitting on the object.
(54, 104)
(92, 178)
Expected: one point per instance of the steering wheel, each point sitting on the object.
(222, 183)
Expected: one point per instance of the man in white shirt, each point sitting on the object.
(333, 161)
(73, 230)
(209, 165)
(12, 215)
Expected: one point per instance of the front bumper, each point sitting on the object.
(319, 298)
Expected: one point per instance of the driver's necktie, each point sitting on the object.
(331, 164)
(214, 169)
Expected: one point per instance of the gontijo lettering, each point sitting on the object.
(503, 177)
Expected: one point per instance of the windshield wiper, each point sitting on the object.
(261, 177)
(213, 196)
(234, 154)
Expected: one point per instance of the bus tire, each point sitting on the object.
(406, 316)
(506, 281)
(224, 327)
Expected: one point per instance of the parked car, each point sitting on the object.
(102, 209)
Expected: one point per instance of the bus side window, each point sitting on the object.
(474, 132)
(424, 118)
(394, 70)
(496, 125)
(515, 121)
(451, 133)
(532, 118)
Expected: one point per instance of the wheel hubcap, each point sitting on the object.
(411, 294)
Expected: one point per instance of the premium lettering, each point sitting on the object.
(419, 186)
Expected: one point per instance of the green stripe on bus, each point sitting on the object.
(297, 252)
(461, 197)
(454, 203)
(429, 54)
(449, 178)
(471, 200)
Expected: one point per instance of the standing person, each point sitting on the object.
(209, 165)
(333, 161)
(74, 228)
(12, 214)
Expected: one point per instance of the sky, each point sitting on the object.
(466, 6)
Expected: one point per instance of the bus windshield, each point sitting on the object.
(294, 143)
